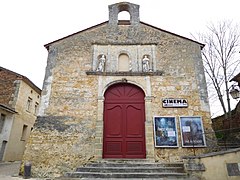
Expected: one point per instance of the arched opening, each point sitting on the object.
(124, 15)
(123, 62)
(127, 11)
(124, 122)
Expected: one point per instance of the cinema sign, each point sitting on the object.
(169, 102)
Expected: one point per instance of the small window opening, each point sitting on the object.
(2, 150)
(24, 133)
(36, 108)
(2, 121)
(29, 104)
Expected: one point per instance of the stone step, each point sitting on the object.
(128, 169)
(134, 164)
(131, 169)
(125, 175)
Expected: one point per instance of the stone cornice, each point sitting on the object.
(157, 73)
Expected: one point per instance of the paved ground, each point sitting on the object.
(9, 171)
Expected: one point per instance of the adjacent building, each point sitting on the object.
(19, 103)
(122, 89)
(227, 129)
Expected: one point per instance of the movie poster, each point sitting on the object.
(165, 132)
(192, 132)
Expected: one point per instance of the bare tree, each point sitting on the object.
(221, 59)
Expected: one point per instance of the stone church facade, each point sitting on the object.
(106, 89)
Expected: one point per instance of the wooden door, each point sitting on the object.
(124, 122)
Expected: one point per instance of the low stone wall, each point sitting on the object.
(218, 165)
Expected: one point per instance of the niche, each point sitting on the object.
(123, 62)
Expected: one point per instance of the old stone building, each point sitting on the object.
(227, 129)
(121, 89)
(19, 102)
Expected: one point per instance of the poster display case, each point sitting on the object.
(165, 131)
(192, 133)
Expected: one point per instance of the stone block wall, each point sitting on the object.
(68, 132)
(217, 165)
(7, 88)
(23, 121)
(15, 90)
(165, 87)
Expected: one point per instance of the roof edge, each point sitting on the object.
(48, 44)
(8, 109)
(25, 79)
(201, 44)
(235, 78)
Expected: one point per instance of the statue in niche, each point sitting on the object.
(101, 64)
(145, 64)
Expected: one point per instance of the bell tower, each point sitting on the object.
(132, 9)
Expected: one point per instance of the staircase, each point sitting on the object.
(128, 169)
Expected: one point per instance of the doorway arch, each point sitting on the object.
(124, 122)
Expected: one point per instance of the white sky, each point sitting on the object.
(26, 25)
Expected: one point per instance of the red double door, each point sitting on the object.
(124, 122)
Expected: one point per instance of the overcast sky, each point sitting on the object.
(26, 25)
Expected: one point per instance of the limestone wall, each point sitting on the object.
(5, 132)
(68, 131)
(17, 138)
(7, 87)
(218, 165)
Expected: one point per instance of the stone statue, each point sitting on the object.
(101, 64)
(145, 64)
